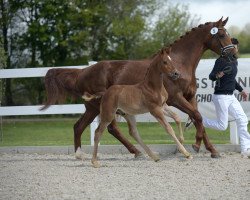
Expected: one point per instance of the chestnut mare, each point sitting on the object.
(147, 96)
(186, 53)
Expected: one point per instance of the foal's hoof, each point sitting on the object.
(96, 164)
(215, 155)
(196, 148)
(189, 157)
(139, 156)
(156, 158)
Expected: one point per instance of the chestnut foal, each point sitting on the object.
(147, 96)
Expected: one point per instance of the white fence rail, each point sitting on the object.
(80, 108)
(34, 110)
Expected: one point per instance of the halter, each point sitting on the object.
(214, 32)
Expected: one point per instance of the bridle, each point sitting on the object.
(224, 50)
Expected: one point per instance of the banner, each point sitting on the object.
(205, 90)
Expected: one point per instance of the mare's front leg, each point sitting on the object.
(158, 114)
(191, 109)
(114, 130)
(199, 127)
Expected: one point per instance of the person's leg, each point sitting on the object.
(221, 103)
(236, 110)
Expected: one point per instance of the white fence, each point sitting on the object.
(34, 110)
(80, 108)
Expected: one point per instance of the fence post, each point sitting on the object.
(234, 137)
(93, 127)
(1, 121)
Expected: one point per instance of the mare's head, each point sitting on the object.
(219, 40)
(166, 63)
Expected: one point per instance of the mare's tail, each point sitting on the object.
(57, 86)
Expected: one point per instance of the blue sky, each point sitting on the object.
(238, 11)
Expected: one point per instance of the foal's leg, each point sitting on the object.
(98, 133)
(114, 130)
(168, 112)
(135, 134)
(158, 114)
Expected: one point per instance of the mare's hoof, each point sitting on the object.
(196, 148)
(96, 164)
(79, 154)
(215, 155)
(139, 156)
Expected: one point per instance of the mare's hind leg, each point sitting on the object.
(98, 133)
(168, 112)
(135, 134)
(92, 110)
(158, 114)
(81, 125)
(114, 130)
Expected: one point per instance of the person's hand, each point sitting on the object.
(244, 95)
(220, 74)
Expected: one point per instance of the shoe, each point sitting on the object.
(189, 123)
(246, 154)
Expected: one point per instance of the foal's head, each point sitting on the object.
(167, 66)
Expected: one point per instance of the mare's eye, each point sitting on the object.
(165, 62)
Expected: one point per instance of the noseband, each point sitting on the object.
(214, 32)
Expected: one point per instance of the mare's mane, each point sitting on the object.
(183, 37)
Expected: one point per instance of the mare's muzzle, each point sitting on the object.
(175, 75)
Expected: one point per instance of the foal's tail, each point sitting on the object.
(57, 87)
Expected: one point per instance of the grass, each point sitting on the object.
(246, 55)
(57, 133)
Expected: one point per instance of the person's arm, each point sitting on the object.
(240, 89)
(217, 68)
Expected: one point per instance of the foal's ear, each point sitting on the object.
(162, 52)
(224, 22)
(168, 50)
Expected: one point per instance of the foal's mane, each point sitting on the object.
(156, 58)
(199, 27)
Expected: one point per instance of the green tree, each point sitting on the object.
(168, 26)
(62, 32)
(7, 23)
(3, 61)
(244, 39)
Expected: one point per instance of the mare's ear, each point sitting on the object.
(224, 22)
(219, 22)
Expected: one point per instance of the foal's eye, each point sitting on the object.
(222, 35)
(165, 62)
